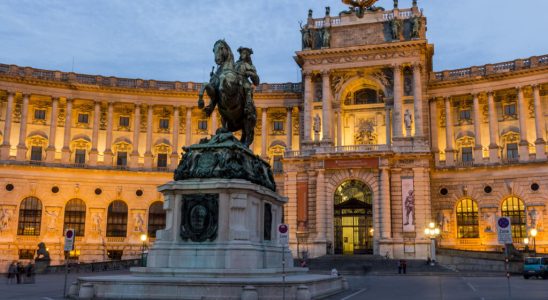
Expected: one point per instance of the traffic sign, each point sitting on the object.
(283, 234)
(504, 230)
(69, 239)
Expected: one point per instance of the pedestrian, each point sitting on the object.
(334, 272)
(12, 270)
(399, 266)
(19, 272)
(29, 271)
(404, 266)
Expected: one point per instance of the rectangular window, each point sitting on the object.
(465, 114)
(164, 124)
(202, 124)
(512, 151)
(36, 153)
(115, 254)
(278, 125)
(162, 160)
(26, 253)
(277, 164)
(124, 121)
(510, 109)
(80, 156)
(467, 154)
(40, 114)
(83, 118)
(121, 159)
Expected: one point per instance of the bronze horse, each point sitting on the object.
(226, 91)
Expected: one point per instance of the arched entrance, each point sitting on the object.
(353, 218)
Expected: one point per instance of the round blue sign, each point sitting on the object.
(282, 228)
(70, 233)
(503, 222)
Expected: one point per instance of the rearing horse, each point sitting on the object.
(226, 91)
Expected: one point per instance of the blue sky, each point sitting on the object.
(172, 39)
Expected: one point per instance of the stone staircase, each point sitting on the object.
(369, 264)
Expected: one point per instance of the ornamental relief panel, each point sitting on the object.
(363, 57)
(103, 119)
(61, 117)
(365, 132)
(295, 125)
(17, 110)
(442, 117)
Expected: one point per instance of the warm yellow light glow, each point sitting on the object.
(436, 231)
(431, 225)
(526, 241)
(143, 237)
(534, 232)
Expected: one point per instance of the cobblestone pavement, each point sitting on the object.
(378, 287)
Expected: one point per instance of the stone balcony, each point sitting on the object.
(356, 149)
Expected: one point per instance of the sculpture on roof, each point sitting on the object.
(360, 6)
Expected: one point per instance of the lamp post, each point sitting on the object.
(533, 233)
(433, 232)
(526, 242)
(143, 247)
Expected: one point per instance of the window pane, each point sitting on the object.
(75, 216)
(36, 153)
(467, 219)
(83, 118)
(80, 156)
(156, 218)
(40, 114)
(164, 123)
(121, 159)
(162, 160)
(513, 208)
(124, 121)
(117, 219)
(30, 217)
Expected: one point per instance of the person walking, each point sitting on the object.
(19, 272)
(12, 270)
(399, 266)
(404, 266)
(29, 271)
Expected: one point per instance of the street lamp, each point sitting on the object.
(526, 242)
(143, 247)
(533, 233)
(433, 232)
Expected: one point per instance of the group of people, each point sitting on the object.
(19, 273)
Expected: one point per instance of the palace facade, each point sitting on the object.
(370, 148)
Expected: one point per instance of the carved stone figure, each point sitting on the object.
(52, 219)
(199, 217)
(535, 218)
(309, 13)
(360, 6)
(245, 67)
(410, 208)
(327, 10)
(326, 37)
(226, 90)
(317, 126)
(395, 25)
(416, 29)
(365, 134)
(306, 36)
(408, 120)
(490, 220)
(97, 222)
(5, 217)
(139, 223)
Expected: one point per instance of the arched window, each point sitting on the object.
(366, 96)
(117, 219)
(156, 218)
(467, 219)
(75, 216)
(513, 208)
(30, 216)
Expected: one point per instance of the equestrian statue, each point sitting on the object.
(230, 88)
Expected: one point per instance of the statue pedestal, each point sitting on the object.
(220, 242)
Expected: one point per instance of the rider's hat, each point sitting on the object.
(245, 48)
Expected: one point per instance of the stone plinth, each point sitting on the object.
(220, 242)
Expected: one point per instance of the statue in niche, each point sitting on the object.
(490, 222)
(395, 25)
(326, 36)
(139, 223)
(52, 219)
(408, 120)
(97, 222)
(306, 36)
(317, 126)
(416, 29)
(410, 208)
(444, 220)
(535, 218)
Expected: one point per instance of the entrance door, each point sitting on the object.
(353, 218)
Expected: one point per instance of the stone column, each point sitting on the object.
(148, 151)
(339, 128)
(434, 129)
(307, 105)
(108, 142)
(50, 151)
(478, 149)
(188, 132)
(22, 146)
(522, 111)
(134, 158)
(289, 129)
(493, 129)
(290, 209)
(95, 134)
(264, 125)
(214, 125)
(540, 143)
(5, 149)
(68, 127)
(386, 221)
(388, 127)
(326, 107)
(417, 96)
(321, 210)
(449, 142)
(398, 89)
(175, 140)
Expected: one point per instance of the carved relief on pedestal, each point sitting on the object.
(52, 214)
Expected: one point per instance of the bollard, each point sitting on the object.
(249, 293)
(73, 289)
(303, 293)
(86, 291)
(345, 283)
